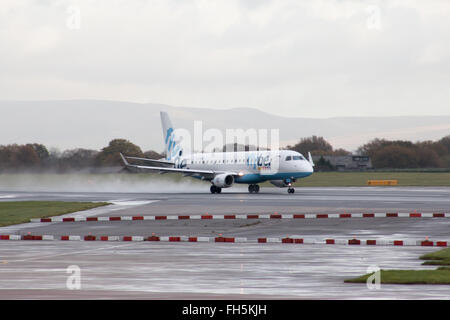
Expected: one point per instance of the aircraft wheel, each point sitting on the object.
(213, 189)
(253, 188)
(218, 190)
(291, 190)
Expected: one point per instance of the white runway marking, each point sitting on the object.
(8, 196)
(131, 203)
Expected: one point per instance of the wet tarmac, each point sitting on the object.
(136, 270)
(208, 271)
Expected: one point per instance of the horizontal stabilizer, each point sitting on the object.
(163, 162)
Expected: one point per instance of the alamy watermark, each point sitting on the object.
(373, 21)
(374, 280)
(213, 139)
(73, 21)
(74, 279)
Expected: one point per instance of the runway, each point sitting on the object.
(269, 200)
(222, 271)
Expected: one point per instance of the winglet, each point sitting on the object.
(310, 159)
(124, 159)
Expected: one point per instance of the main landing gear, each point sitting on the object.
(253, 188)
(215, 189)
(291, 190)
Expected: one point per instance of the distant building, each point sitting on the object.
(345, 163)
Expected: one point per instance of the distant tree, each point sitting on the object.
(78, 158)
(438, 148)
(18, 157)
(445, 142)
(317, 146)
(395, 156)
(27, 157)
(341, 152)
(53, 162)
(323, 165)
(6, 159)
(150, 154)
(109, 156)
(445, 159)
(41, 151)
(427, 157)
(375, 145)
(426, 154)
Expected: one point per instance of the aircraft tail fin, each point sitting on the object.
(172, 148)
(310, 159)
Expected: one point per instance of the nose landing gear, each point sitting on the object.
(288, 183)
(253, 188)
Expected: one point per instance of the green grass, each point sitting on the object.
(440, 275)
(350, 179)
(441, 257)
(23, 211)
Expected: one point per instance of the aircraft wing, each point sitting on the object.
(207, 174)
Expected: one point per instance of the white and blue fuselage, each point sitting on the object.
(252, 166)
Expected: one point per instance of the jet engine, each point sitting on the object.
(223, 180)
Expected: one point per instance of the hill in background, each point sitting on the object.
(92, 123)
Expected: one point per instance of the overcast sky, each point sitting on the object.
(292, 58)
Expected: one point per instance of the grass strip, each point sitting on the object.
(441, 257)
(438, 276)
(351, 179)
(16, 212)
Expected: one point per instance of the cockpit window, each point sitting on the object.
(298, 158)
(288, 158)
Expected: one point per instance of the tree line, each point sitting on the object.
(406, 154)
(36, 157)
(396, 154)
(386, 154)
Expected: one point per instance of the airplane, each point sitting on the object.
(223, 169)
